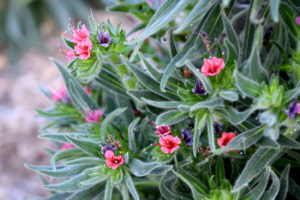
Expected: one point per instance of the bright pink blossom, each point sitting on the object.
(212, 66)
(169, 144)
(225, 139)
(67, 146)
(83, 49)
(113, 161)
(93, 116)
(161, 130)
(297, 20)
(298, 112)
(60, 95)
(79, 35)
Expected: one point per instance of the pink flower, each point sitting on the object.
(298, 112)
(212, 66)
(297, 20)
(79, 35)
(225, 139)
(60, 95)
(70, 55)
(161, 130)
(169, 144)
(83, 49)
(113, 161)
(87, 90)
(93, 116)
(67, 146)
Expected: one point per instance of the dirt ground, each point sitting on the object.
(19, 125)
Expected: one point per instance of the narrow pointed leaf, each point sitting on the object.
(171, 117)
(130, 186)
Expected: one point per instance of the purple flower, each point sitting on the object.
(187, 137)
(104, 39)
(199, 89)
(292, 109)
(217, 128)
(108, 147)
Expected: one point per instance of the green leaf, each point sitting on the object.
(151, 69)
(108, 191)
(259, 189)
(247, 86)
(259, 160)
(220, 171)
(166, 104)
(285, 13)
(150, 83)
(274, 10)
(86, 160)
(258, 72)
(65, 171)
(165, 187)
(62, 196)
(195, 193)
(88, 146)
(140, 168)
(212, 103)
(167, 13)
(234, 116)
(198, 11)
(287, 142)
(200, 122)
(173, 48)
(290, 95)
(71, 184)
(273, 190)
(138, 94)
(231, 34)
(131, 186)
(89, 193)
(108, 119)
(131, 135)
(210, 133)
(63, 154)
(171, 117)
(229, 95)
(267, 142)
(243, 140)
(284, 183)
(199, 186)
(76, 92)
(211, 23)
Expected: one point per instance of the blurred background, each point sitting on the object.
(29, 34)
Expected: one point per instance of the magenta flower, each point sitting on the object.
(83, 49)
(161, 130)
(212, 66)
(113, 161)
(104, 38)
(298, 112)
(93, 116)
(79, 35)
(292, 109)
(67, 146)
(225, 139)
(169, 144)
(60, 95)
(297, 20)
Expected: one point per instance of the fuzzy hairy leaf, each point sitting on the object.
(171, 117)
(259, 160)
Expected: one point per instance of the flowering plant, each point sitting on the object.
(222, 96)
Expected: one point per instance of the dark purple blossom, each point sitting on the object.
(292, 109)
(187, 137)
(104, 38)
(199, 89)
(217, 128)
(108, 147)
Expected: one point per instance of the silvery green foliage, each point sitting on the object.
(153, 77)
